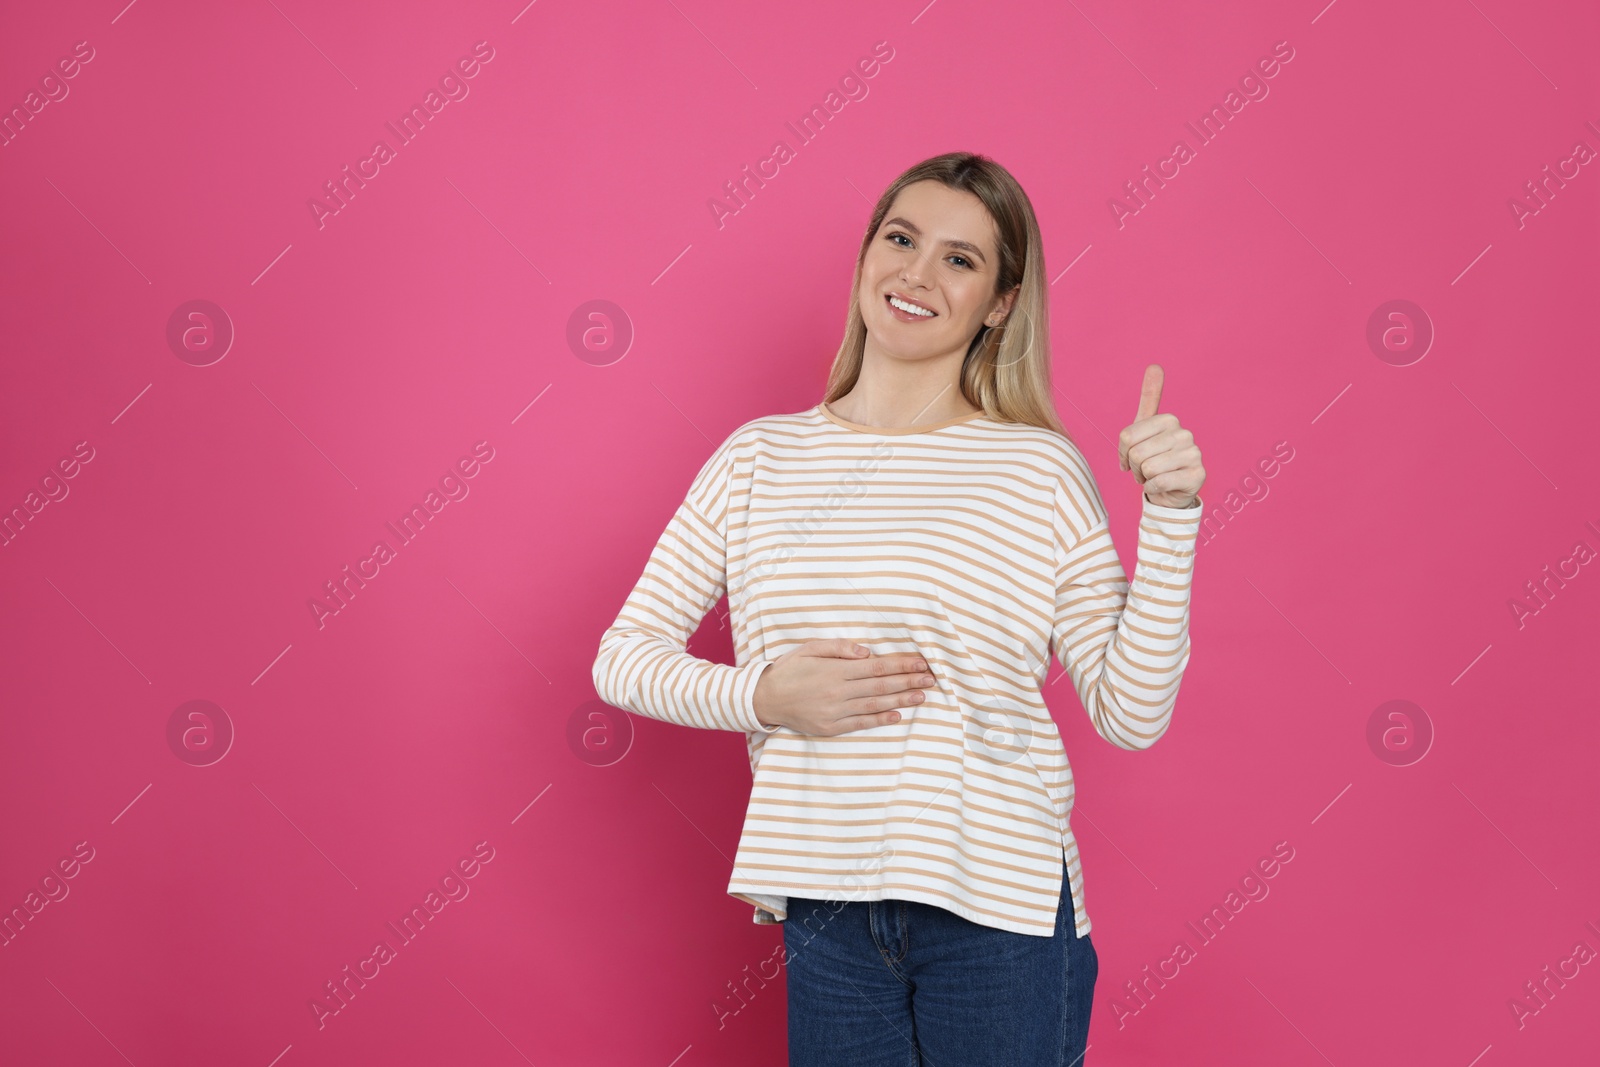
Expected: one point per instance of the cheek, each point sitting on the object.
(966, 301)
(876, 265)
(867, 293)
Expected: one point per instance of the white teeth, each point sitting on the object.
(903, 306)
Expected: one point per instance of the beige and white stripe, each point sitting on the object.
(981, 545)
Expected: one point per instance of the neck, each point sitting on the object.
(895, 394)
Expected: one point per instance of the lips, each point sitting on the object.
(908, 300)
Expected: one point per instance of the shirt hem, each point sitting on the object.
(1015, 926)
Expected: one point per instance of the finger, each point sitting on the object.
(1148, 437)
(1164, 446)
(892, 663)
(869, 696)
(1149, 403)
(852, 723)
(1150, 392)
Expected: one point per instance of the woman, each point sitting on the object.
(901, 562)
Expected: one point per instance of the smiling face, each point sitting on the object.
(936, 249)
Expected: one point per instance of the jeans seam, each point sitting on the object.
(1066, 1000)
(883, 952)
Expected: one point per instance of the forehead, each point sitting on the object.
(944, 214)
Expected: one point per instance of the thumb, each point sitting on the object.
(1150, 392)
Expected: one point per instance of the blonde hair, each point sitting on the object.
(1007, 368)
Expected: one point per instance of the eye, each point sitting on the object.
(964, 261)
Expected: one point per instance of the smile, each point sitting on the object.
(907, 311)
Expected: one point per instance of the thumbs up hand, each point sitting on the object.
(1161, 454)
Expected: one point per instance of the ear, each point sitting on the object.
(1007, 301)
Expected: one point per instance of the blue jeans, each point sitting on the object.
(900, 983)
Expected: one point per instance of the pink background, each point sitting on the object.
(374, 751)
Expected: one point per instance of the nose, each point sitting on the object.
(914, 271)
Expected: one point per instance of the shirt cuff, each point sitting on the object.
(744, 698)
(1159, 512)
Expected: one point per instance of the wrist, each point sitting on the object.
(758, 706)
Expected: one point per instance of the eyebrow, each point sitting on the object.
(966, 246)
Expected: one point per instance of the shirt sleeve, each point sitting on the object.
(1124, 648)
(642, 666)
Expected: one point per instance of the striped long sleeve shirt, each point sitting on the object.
(981, 545)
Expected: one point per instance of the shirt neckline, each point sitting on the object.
(858, 427)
